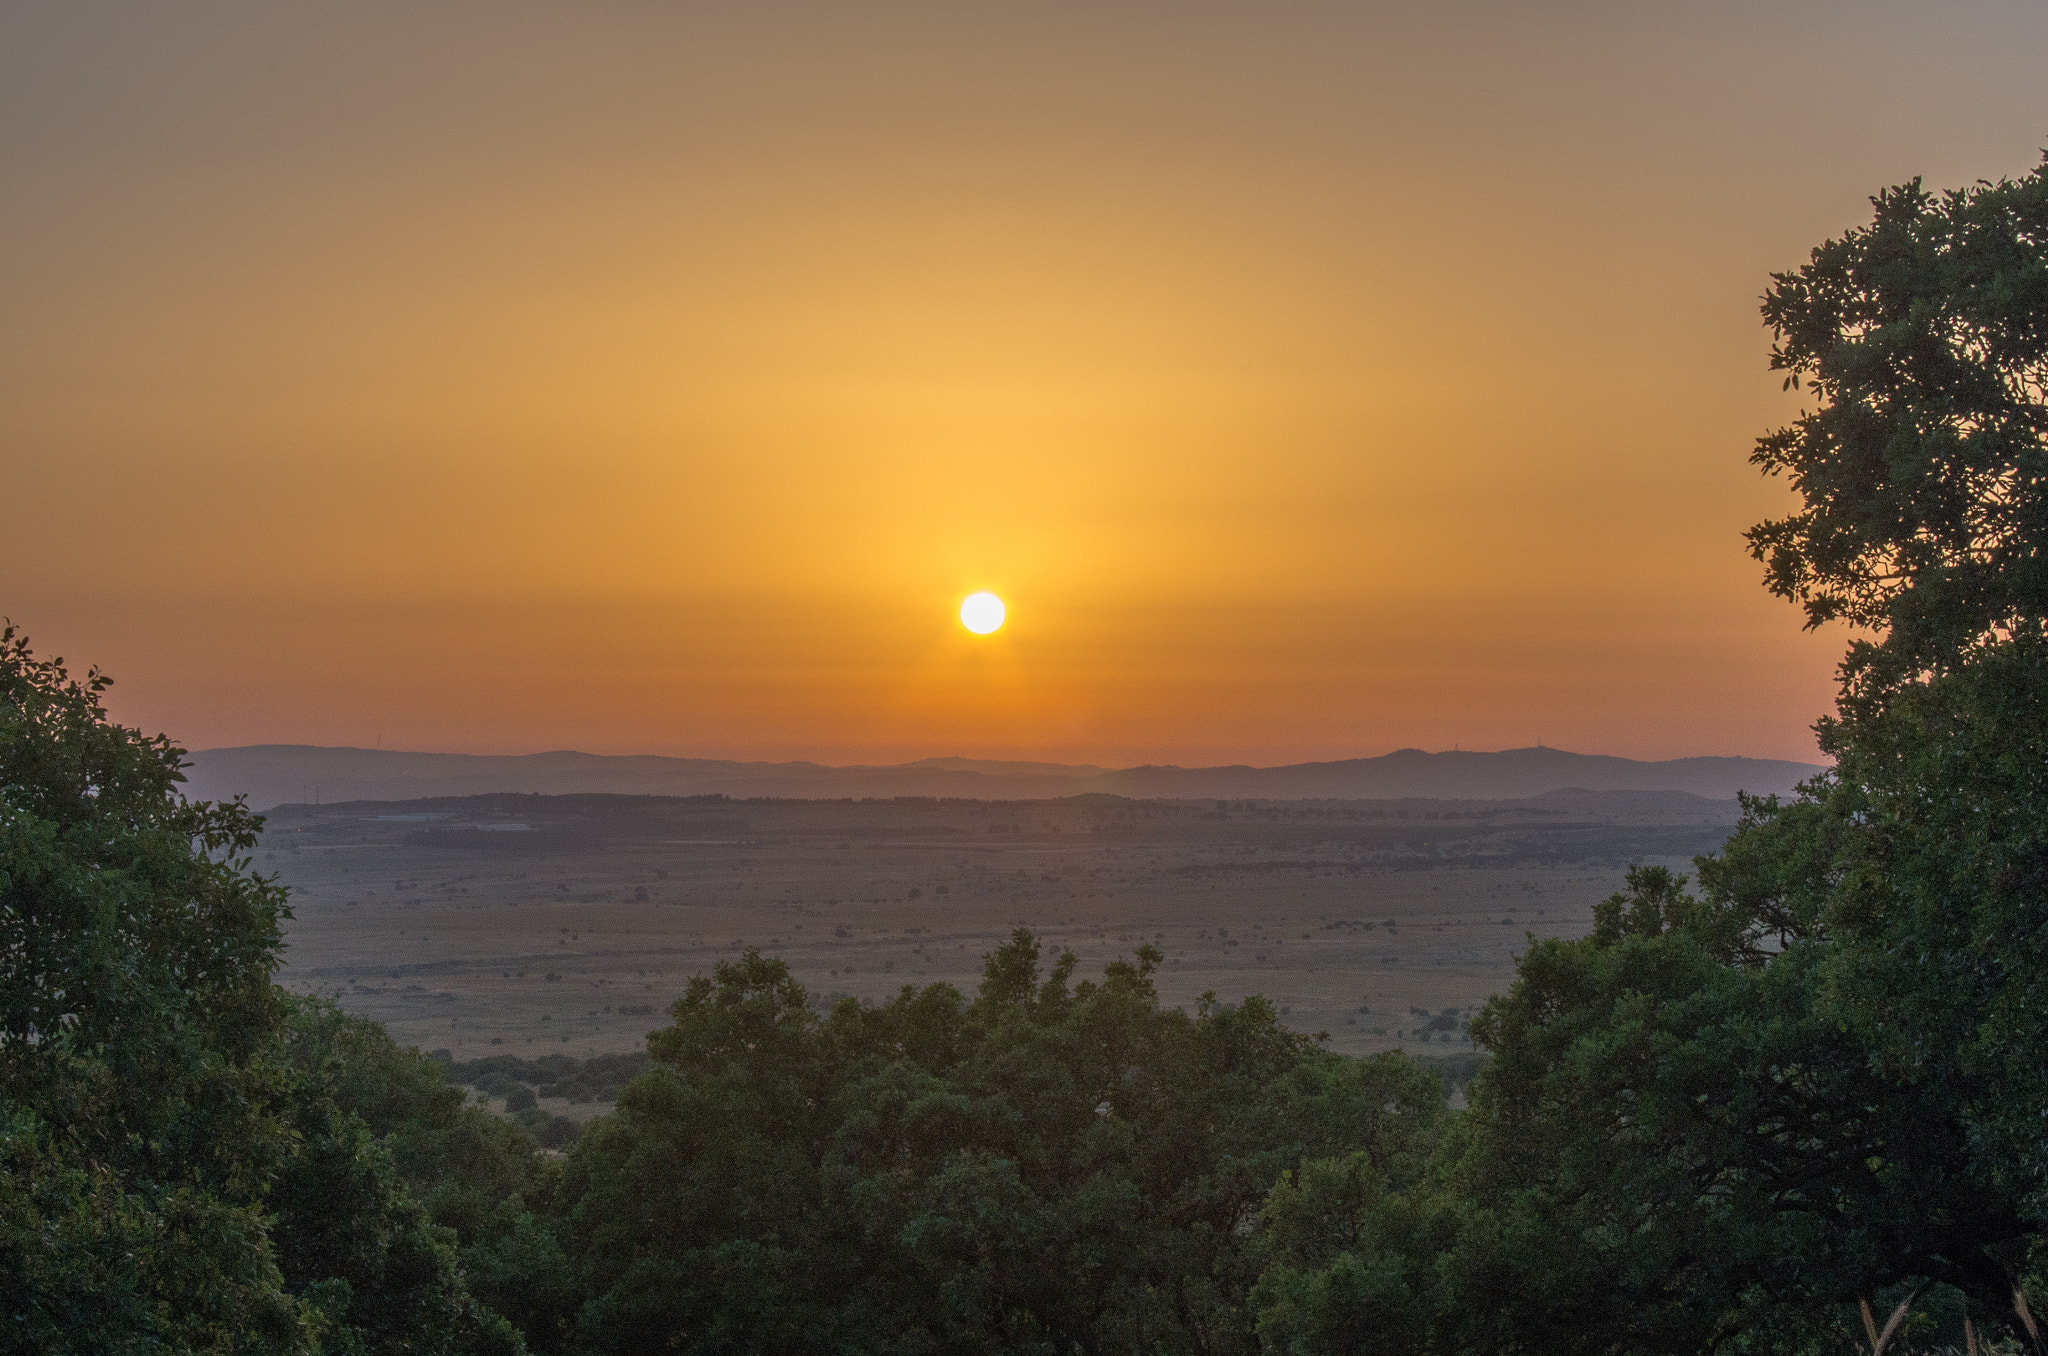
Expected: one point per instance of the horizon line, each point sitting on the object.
(1454, 751)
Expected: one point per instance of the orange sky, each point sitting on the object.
(1312, 380)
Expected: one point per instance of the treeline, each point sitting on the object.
(596, 1079)
(521, 1083)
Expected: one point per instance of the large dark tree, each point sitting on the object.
(1923, 474)
(176, 1175)
(1921, 467)
(139, 1082)
(1676, 1146)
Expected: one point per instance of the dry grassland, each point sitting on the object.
(572, 932)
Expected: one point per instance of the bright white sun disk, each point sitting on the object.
(981, 613)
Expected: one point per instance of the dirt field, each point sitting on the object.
(528, 925)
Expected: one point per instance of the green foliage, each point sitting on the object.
(1924, 340)
(183, 1165)
(1940, 896)
(1921, 860)
(1719, 1149)
(1051, 1166)
(1349, 1245)
(432, 1180)
(1674, 1146)
(354, 1243)
(1742, 1119)
(596, 1079)
(138, 1024)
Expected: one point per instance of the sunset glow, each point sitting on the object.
(637, 379)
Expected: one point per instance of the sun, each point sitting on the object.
(981, 613)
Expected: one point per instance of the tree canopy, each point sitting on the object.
(1922, 470)
(179, 1172)
(1734, 1120)
(1052, 1166)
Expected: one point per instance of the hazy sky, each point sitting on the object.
(1311, 379)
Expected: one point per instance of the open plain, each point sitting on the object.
(531, 925)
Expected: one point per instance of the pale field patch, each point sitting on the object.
(1363, 927)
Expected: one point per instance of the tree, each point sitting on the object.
(139, 1084)
(1674, 1146)
(182, 1163)
(1725, 1121)
(395, 1184)
(1053, 1166)
(1923, 339)
(1924, 479)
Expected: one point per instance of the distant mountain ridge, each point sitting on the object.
(281, 774)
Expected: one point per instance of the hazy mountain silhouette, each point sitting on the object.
(278, 774)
